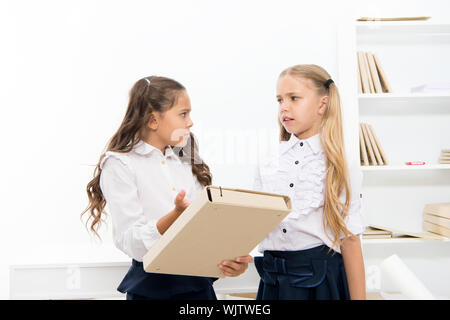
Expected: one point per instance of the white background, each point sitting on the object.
(66, 68)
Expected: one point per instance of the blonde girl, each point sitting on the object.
(149, 174)
(315, 253)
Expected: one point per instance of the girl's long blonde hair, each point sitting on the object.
(332, 140)
(147, 95)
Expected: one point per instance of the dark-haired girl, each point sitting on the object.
(149, 174)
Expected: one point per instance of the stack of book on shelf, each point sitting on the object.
(371, 152)
(372, 78)
(375, 233)
(436, 218)
(445, 156)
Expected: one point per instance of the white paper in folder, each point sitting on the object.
(220, 224)
(404, 279)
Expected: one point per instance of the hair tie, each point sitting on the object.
(328, 82)
(148, 81)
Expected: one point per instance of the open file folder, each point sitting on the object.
(220, 224)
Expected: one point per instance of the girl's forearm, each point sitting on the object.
(166, 221)
(354, 267)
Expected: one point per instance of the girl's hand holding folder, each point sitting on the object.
(234, 268)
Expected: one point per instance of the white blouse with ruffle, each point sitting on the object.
(299, 171)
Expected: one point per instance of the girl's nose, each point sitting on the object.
(284, 106)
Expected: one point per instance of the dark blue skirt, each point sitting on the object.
(139, 284)
(311, 274)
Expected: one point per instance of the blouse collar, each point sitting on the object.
(313, 142)
(143, 148)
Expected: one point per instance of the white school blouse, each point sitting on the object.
(140, 187)
(299, 171)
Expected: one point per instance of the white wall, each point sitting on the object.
(67, 66)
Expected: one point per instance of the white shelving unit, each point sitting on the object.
(410, 127)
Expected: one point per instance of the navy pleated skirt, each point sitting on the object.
(311, 274)
(141, 285)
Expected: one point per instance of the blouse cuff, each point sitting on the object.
(150, 234)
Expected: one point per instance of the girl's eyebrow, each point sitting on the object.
(186, 109)
(290, 94)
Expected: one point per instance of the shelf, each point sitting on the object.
(407, 97)
(398, 104)
(402, 241)
(406, 167)
(403, 27)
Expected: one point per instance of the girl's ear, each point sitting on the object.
(153, 121)
(323, 105)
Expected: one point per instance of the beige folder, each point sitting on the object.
(220, 224)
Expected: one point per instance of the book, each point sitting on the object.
(362, 148)
(400, 233)
(444, 222)
(360, 90)
(383, 79)
(377, 142)
(431, 227)
(369, 78)
(220, 224)
(438, 209)
(374, 73)
(376, 236)
(394, 19)
(374, 146)
(363, 72)
(374, 233)
(372, 160)
(444, 157)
